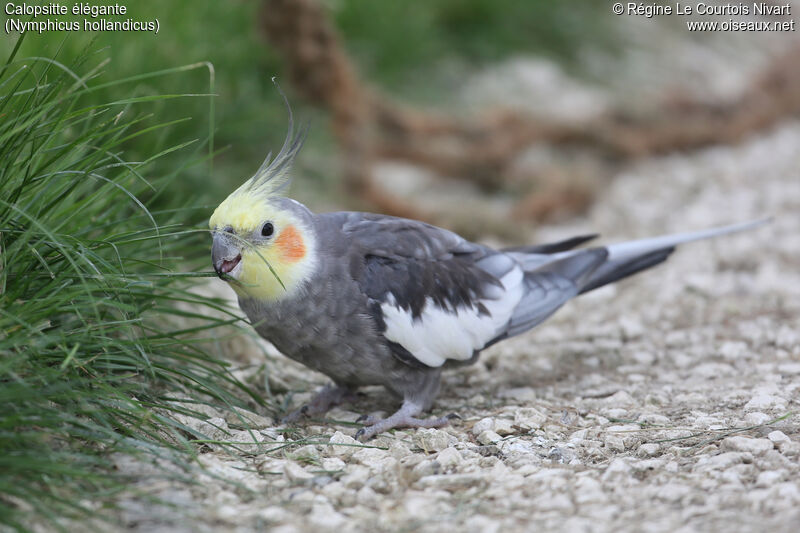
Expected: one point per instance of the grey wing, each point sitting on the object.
(551, 285)
(434, 295)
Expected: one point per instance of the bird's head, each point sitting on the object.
(261, 240)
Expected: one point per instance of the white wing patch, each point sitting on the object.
(438, 334)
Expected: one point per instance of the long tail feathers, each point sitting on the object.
(631, 249)
(627, 258)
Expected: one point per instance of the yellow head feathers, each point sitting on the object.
(276, 260)
(271, 179)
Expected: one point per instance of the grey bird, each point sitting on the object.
(369, 299)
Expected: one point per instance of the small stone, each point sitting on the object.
(332, 464)
(308, 453)
(489, 437)
(579, 436)
(778, 437)
(427, 467)
(239, 417)
(746, 444)
(618, 468)
(761, 402)
(433, 440)
(367, 496)
(654, 419)
(627, 431)
(399, 450)
(451, 482)
(342, 445)
(324, 516)
(789, 449)
(296, 473)
(620, 398)
(213, 428)
(369, 457)
(339, 494)
(503, 427)
(356, 477)
(708, 422)
(648, 449)
(614, 442)
(528, 418)
(484, 424)
(561, 455)
(449, 458)
(723, 461)
(756, 418)
(615, 412)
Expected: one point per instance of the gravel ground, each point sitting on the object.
(665, 403)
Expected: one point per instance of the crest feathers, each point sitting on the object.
(272, 178)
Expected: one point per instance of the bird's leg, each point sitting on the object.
(321, 403)
(406, 417)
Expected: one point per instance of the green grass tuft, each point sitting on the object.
(99, 329)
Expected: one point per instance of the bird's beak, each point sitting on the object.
(225, 255)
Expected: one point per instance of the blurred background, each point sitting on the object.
(487, 116)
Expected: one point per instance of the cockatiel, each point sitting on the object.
(369, 299)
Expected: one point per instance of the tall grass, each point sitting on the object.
(98, 327)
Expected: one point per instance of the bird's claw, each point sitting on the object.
(367, 420)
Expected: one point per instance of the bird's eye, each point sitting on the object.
(267, 229)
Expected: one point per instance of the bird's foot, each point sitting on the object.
(368, 420)
(320, 404)
(404, 418)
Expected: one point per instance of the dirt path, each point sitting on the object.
(665, 403)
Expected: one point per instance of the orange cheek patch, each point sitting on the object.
(291, 244)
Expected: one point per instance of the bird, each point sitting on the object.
(371, 299)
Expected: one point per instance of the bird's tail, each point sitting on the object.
(627, 258)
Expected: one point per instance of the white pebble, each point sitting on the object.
(489, 437)
(504, 427)
(342, 445)
(747, 444)
(529, 418)
(761, 402)
(648, 449)
(778, 437)
(433, 440)
(449, 458)
(482, 425)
